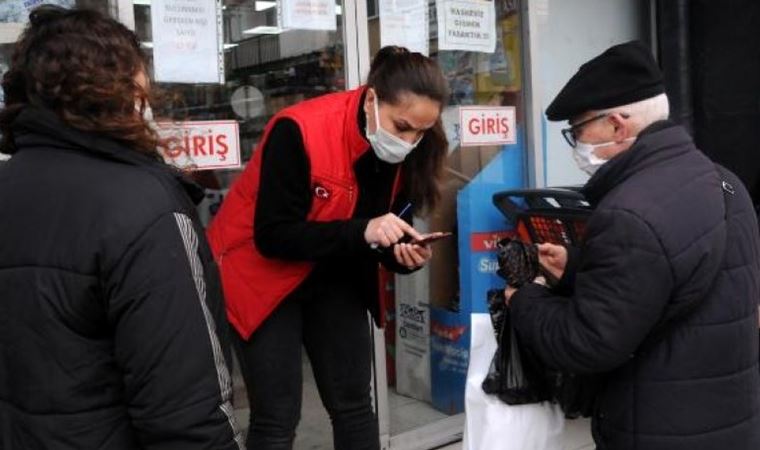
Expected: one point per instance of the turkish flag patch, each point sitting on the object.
(321, 192)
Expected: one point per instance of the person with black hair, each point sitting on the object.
(300, 236)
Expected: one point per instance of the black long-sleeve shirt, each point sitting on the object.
(337, 247)
(284, 201)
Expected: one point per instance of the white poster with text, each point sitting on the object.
(487, 125)
(468, 25)
(307, 14)
(187, 41)
(201, 145)
(405, 23)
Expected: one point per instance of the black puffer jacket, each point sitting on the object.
(660, 236)
(111, 317)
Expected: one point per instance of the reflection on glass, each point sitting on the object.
(267, 69)
(14, 14)
(493, 79)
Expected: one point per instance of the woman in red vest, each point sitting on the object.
(301, 233)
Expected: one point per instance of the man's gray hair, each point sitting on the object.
(644, 112)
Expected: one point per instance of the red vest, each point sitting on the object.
(253, 284)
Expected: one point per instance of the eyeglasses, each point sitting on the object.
(571, 134)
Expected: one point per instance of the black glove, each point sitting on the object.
(518, 262)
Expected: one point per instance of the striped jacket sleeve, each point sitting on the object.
(167, 342)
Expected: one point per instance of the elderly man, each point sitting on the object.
(661, 297)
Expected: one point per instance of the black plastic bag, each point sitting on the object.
(575, 394)
(518, 377)
(515, 376)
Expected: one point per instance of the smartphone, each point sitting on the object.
(432, 237)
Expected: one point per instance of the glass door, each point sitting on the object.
(266, 68)
(421, 356)
(478, 45)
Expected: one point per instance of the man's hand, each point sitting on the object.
(553, 258)
(509, 291)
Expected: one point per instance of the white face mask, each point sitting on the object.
(147, 115)
(388, 147)
(584, 156)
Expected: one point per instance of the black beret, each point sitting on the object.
(623, 74)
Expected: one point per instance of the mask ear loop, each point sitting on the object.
(377, 114)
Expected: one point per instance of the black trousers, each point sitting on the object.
(330, 322)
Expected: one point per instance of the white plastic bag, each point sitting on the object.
(491, 424)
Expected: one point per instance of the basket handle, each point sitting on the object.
(568, 198)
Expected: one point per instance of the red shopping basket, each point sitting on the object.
(556, 216)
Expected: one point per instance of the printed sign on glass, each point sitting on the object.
(187, 41)
(202, 145)
(405, 23)
(468, 25)
(487, 125)
(307, 14)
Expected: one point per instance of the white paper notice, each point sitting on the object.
(405, 23)
(187, 41)
(307, 14)
(468, 25)
(202, 145)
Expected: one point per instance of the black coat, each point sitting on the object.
(111, 317)
(660, 236)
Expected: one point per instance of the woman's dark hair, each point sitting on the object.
(396, 71)
(81, 65)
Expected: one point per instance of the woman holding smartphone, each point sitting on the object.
(301, 233)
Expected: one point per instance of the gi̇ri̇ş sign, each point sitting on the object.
(201, 145)
(487, 125)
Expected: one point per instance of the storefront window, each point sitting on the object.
(566, 37)
(14, 15)
(425, 346)
(427, 340)
(266, 70)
